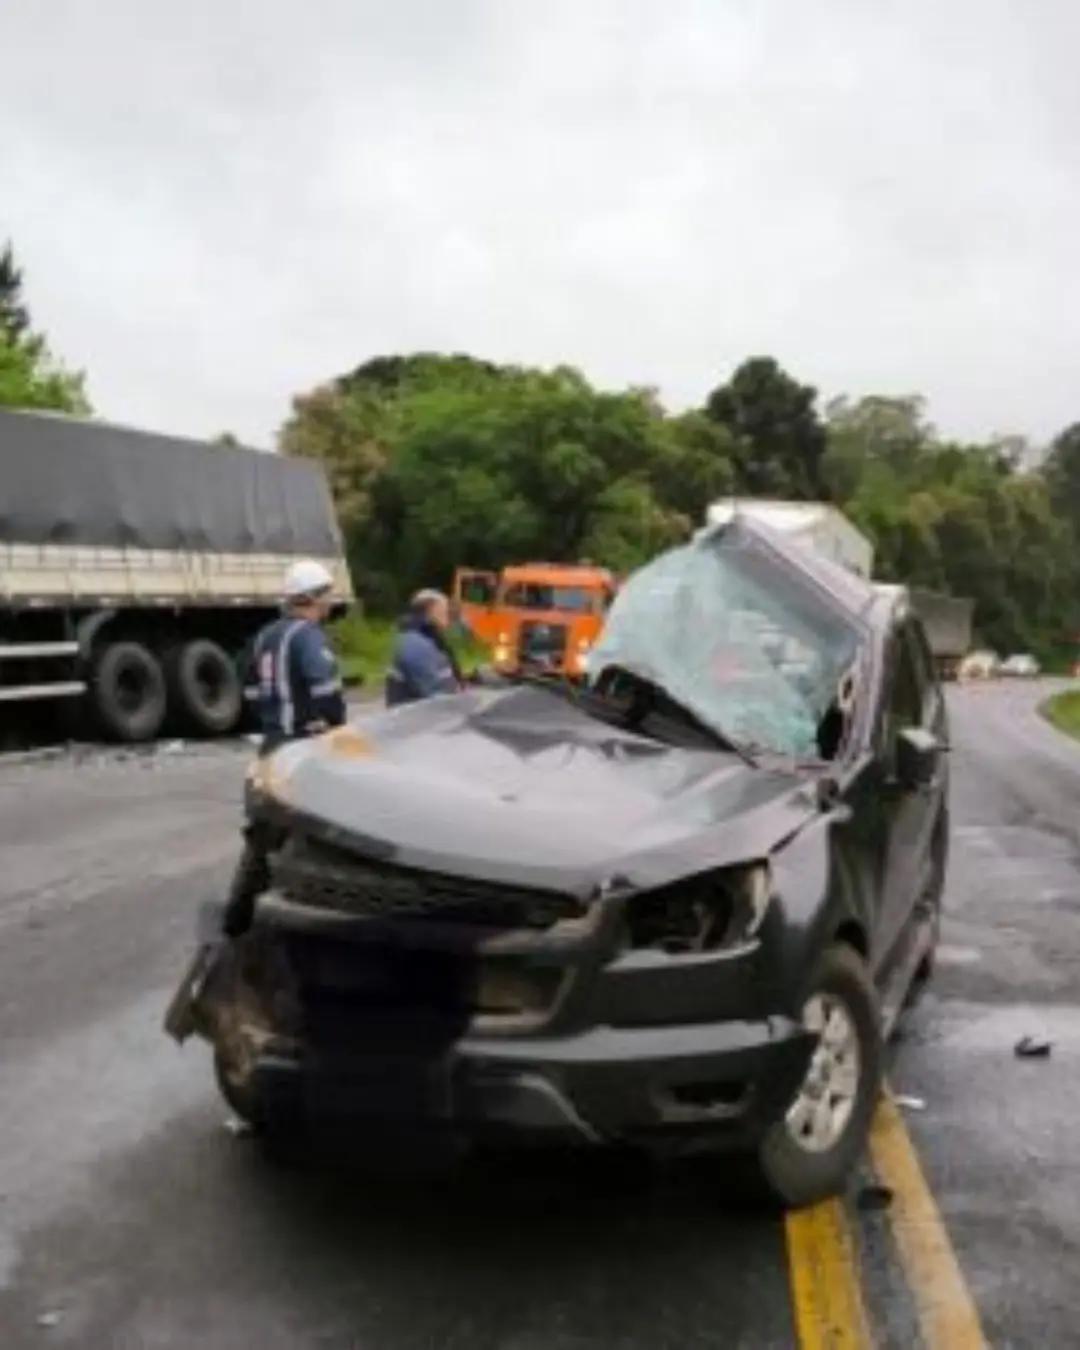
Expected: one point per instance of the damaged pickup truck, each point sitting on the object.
(678, 908)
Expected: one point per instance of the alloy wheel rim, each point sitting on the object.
(823, 1106)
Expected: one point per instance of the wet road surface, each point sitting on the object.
(130, 1218)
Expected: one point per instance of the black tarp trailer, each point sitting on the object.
(135, 568)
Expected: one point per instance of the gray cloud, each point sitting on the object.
(219, 204)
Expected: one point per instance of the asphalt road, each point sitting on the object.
(129, 1217)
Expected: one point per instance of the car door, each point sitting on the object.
(913, 699)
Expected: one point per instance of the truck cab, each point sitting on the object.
(540, 618)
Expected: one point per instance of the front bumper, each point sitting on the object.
(670, 1087)
(671, 1053)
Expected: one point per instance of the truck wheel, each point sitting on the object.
(205, 687)
(128, 692)
(809, 1154)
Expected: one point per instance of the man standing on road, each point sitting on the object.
(296, 681)
(299, 693)
(423, 664)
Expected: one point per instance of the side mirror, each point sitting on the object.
(918, 753)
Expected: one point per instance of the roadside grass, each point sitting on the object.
(365, 646)
(1063, 712)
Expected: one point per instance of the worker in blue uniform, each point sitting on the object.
(423, 662)
(298, 691)
(296, 682)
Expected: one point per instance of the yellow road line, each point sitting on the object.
(825, 1291)
(948, 1318)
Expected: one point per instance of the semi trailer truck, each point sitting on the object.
(135, 569)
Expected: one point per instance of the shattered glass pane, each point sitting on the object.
(732, 634)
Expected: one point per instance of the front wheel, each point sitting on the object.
(809, 1153)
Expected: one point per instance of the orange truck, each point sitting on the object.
(536, 617)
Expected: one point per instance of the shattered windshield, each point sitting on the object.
(737, 638)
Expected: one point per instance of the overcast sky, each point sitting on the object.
(219, 203)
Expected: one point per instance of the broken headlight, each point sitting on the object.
(701, 913)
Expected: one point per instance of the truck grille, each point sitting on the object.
(310, 872)
(542, 643)
(374, 998)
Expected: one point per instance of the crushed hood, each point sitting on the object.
(523, 787)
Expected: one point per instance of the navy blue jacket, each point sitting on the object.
(295, 681)
(422, 665)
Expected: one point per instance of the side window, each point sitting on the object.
(932, 706)
(904, 706)
(477, 590)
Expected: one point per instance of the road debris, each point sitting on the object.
(873, 1198)
(908, 1103)
(239, 1129)
(1032, 1047)
(50, 1319)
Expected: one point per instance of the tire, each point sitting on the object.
(128, 692)
(204, 688)
(799, 1163)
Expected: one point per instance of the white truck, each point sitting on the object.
(946, 619)
(817, 524)
(135, 569)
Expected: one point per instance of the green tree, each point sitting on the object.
(438, 462)
(884, 432)
(776, 423)
(698, 461)
(442, 460)
(30, 377)
(1062, 474)
(14, 317)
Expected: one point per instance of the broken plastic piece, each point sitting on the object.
(236, 1127)
(874, 1198)
(180, 1017)
(1032, 1047)
(50, 1319)
(910, 1103)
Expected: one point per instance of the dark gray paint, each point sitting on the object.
(69, 482)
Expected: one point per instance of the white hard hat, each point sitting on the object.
(306, 577)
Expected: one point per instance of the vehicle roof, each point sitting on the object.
(564, 574)
(780, 512)
(862, 599)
